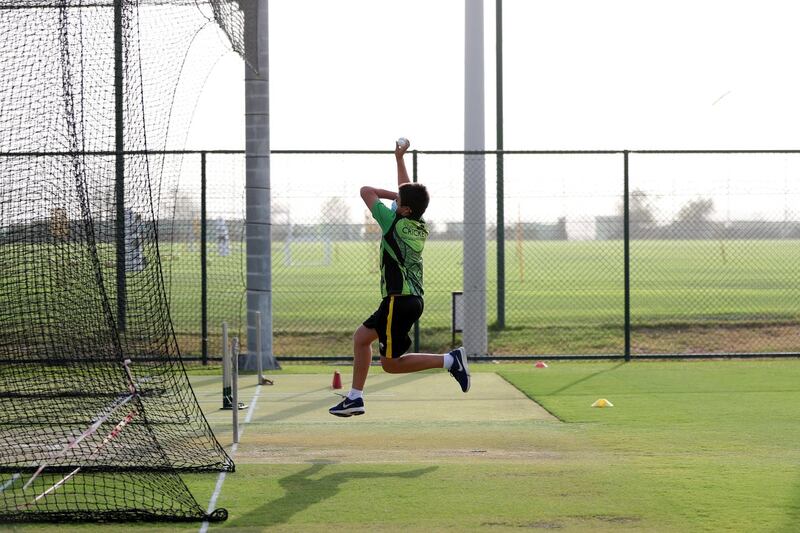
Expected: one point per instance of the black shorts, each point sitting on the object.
(393, 320)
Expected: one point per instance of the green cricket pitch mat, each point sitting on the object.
(410, 417)
(688, 446)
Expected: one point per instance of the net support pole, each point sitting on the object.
(475, 332)
(258, 200)
(259, 362)
(119, 181)
(226, 369)
(235, 388)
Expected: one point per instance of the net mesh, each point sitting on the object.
(83, 434)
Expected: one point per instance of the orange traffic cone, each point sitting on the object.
(337, 380)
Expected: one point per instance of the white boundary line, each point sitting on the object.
(221, 478)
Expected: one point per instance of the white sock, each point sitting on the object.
(448, 361)
(354, 394)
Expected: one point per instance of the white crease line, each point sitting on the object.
(252, 407)
(221, 478)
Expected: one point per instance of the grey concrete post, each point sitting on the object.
(475, 331)
(258, 199)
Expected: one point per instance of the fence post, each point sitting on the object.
(119, 180)
(626, 236)
(501, 246)
(414, 179)
(501, 223)
(203, 264)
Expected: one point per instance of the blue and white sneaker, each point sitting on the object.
(348, 407)
(460, 368)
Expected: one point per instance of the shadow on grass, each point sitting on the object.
(299, 408)
(303, 489)
(792, 522)
(585, 378)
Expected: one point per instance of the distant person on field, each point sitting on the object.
(223, 237)
(135, 260)
(194, 238)
(59, 224)
(403, 235)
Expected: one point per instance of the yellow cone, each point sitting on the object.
(602, 402)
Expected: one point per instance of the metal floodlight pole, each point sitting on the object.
(119, 181)
(475, 333)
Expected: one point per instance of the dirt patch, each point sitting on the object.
(610, 519)
(552, 524)
(731, 338)
(539, 524)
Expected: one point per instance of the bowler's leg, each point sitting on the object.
(412, 362)
(362, 354)
(454, 362)
(353, 403)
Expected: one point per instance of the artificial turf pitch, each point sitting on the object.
(688, 446)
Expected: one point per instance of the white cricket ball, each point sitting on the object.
(402, 142)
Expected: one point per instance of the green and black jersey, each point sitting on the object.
(401, 251)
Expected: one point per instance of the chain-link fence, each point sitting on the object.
(715, 243)
(587, 253)
(202, 249)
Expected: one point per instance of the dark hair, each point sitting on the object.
(415, 196)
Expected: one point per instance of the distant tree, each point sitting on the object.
(180, 216)
(491, 231)
(280, 212)
(693, 221)
(335, 211)
(695, 211)
(186, 207)
(281, 218)
(639, 208)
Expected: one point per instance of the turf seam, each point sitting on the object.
(531, 398)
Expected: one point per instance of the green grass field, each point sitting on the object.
(688, 446)
(562, 297)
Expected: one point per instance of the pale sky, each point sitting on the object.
(578, 75)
